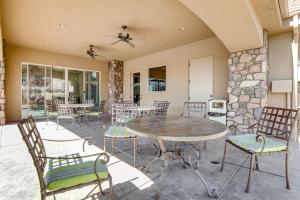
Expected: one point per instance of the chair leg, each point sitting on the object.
(223, 160)
(134, 150)
(47, 120)
(250, 173)
(104, 146)
(256, 162)
(112, 145)
(100, 188)
(137, 145)
(205, 144)
(287, 170)
(57, 123)
(110, 188)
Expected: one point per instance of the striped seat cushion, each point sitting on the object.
(248, 142)
(75, 174)
(118, 132)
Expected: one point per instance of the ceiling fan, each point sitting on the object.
(125, 37)
(91, 52)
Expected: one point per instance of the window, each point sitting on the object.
(157, 78)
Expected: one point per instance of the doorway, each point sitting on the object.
(136, 84)
(201, 79)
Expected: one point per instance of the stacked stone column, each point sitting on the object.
(115, 82)
(247, 86)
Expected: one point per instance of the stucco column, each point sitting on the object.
(115, 82)
(248, 85)
(2, 77)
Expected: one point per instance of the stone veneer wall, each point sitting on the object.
(115, 82)
(248, 86)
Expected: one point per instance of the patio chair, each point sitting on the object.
(121, 115)
(272, 136)
(96, 111)
(161, 108)
(195, 109)
(66, 111)
(64, 172)
(50, 109)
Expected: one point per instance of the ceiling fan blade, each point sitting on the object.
(130, 43)
(116, 42)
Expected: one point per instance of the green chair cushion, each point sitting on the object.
(249, 143)
(118, 132)
(75, 174)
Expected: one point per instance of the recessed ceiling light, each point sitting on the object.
(61, 25)
(182, 28)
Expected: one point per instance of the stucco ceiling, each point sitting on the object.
(35, 24)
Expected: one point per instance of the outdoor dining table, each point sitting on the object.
(183, 130)
(82, 106)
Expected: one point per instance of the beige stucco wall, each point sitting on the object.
(176, 60)
(281, 65)
(15, 55)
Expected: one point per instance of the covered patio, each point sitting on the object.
(149, 99)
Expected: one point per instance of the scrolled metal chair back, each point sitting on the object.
(89, 101)
(123, 113)
(35, 146)
(65, 109)
(277, 122)
(74, 100)
(50, 105)
(161, 108)
(195, 109)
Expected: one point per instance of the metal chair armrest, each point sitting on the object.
(233, 128)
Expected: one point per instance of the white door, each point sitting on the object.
(201, 79)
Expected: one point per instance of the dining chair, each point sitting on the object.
(66, 111)
(272, 136)
(51, 111)
(195, 109)
(121, 115)
(161, 108)
(66, 172)
(97, 111)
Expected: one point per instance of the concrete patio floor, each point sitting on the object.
(19, 178)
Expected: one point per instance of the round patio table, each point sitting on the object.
(82, 105)
(177, 129)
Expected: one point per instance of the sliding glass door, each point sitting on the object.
(75, 84)
(58, 84)
(92, 86)
(41, 82)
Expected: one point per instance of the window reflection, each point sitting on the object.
(157, 78)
